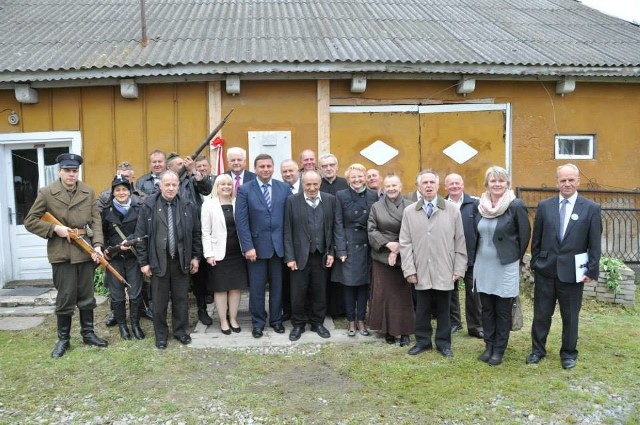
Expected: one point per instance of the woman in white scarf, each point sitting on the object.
(503, 229)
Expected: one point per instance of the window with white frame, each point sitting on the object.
(574, 146)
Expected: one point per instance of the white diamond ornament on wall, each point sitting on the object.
(460, 152)
(379, 152)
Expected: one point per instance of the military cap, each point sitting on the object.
(69, 160)
(125, 166)
(120, 180)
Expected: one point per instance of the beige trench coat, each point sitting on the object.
(433, 248)
(81, 210)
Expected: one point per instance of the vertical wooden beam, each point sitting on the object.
(214, 99)
(324, 118)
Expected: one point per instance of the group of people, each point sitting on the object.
(321, 245)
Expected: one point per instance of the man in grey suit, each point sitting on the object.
(311, 239)
(237, 161)
(565, 225)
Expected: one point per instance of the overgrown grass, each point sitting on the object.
(350, 384)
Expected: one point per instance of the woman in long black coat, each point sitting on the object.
(355, 272)
(119, 219)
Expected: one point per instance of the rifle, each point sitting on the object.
(110, 251)
(206, 142)
(86, 246)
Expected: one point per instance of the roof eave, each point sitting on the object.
(261, 71)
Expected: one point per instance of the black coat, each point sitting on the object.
(153, 222)
(112, 218)
(297, 237)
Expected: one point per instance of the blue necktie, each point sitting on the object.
(265, 193)
(563, 210)
(429, 209)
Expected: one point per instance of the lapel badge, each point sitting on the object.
(574, 217)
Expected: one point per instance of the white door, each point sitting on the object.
(29, 164)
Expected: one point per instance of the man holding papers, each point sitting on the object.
(566, 228)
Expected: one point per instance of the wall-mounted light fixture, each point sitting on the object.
(25, 94)
(128, 88)
(358, 83)
(13, 117)
(466, 85)
(566, 85)
(233, 84)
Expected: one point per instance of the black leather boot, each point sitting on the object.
(120, 311)
(64, 335)
(111, 319)
(134, 313)
(486, 354)
(203, 316)
(86, 330)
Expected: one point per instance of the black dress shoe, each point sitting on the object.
(321, 331)
(495, 359)
(257, 332)
(161, 345)
(404, 340)
(446, 352)
(417, 349)
(279, 328)
(477, 334)
(390, 339)
(456, 328)
(295, 333)
(203, 316)
(184, 339)
(568, 363)
(534, 358)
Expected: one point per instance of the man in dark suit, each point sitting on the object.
(172, 251)
(565, 225)
(260, 224)
(237, 161)
(148, 183)
(311, 238)
(454, 185)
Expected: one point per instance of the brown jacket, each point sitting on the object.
(434, 248)
(81, 210)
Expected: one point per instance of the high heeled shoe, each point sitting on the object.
(362, 328)
(225, 331)
(236, 330)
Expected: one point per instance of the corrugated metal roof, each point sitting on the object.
(47, 37)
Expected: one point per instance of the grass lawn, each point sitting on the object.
(133, 382)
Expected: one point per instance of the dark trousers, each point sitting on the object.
(569, 296)
(260, 272)
(286, 290)
(427, 301)
(74, 283)
(355, 301)
(496, 321)
(173, 285)
(309, 286)
(335, 298)
(200, 284)
(472, 305)
(129, 269)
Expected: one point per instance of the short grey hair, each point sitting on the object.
(427, 171)
(499, 173)
(236, 151)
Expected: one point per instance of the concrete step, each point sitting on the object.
(27, 296)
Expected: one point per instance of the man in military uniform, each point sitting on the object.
(73, 203)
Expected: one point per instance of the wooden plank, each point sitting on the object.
(324, 117)
(66, 105)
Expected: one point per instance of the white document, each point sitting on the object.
(581, 265)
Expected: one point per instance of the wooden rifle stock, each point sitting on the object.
(206, 142)
(49, 218)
